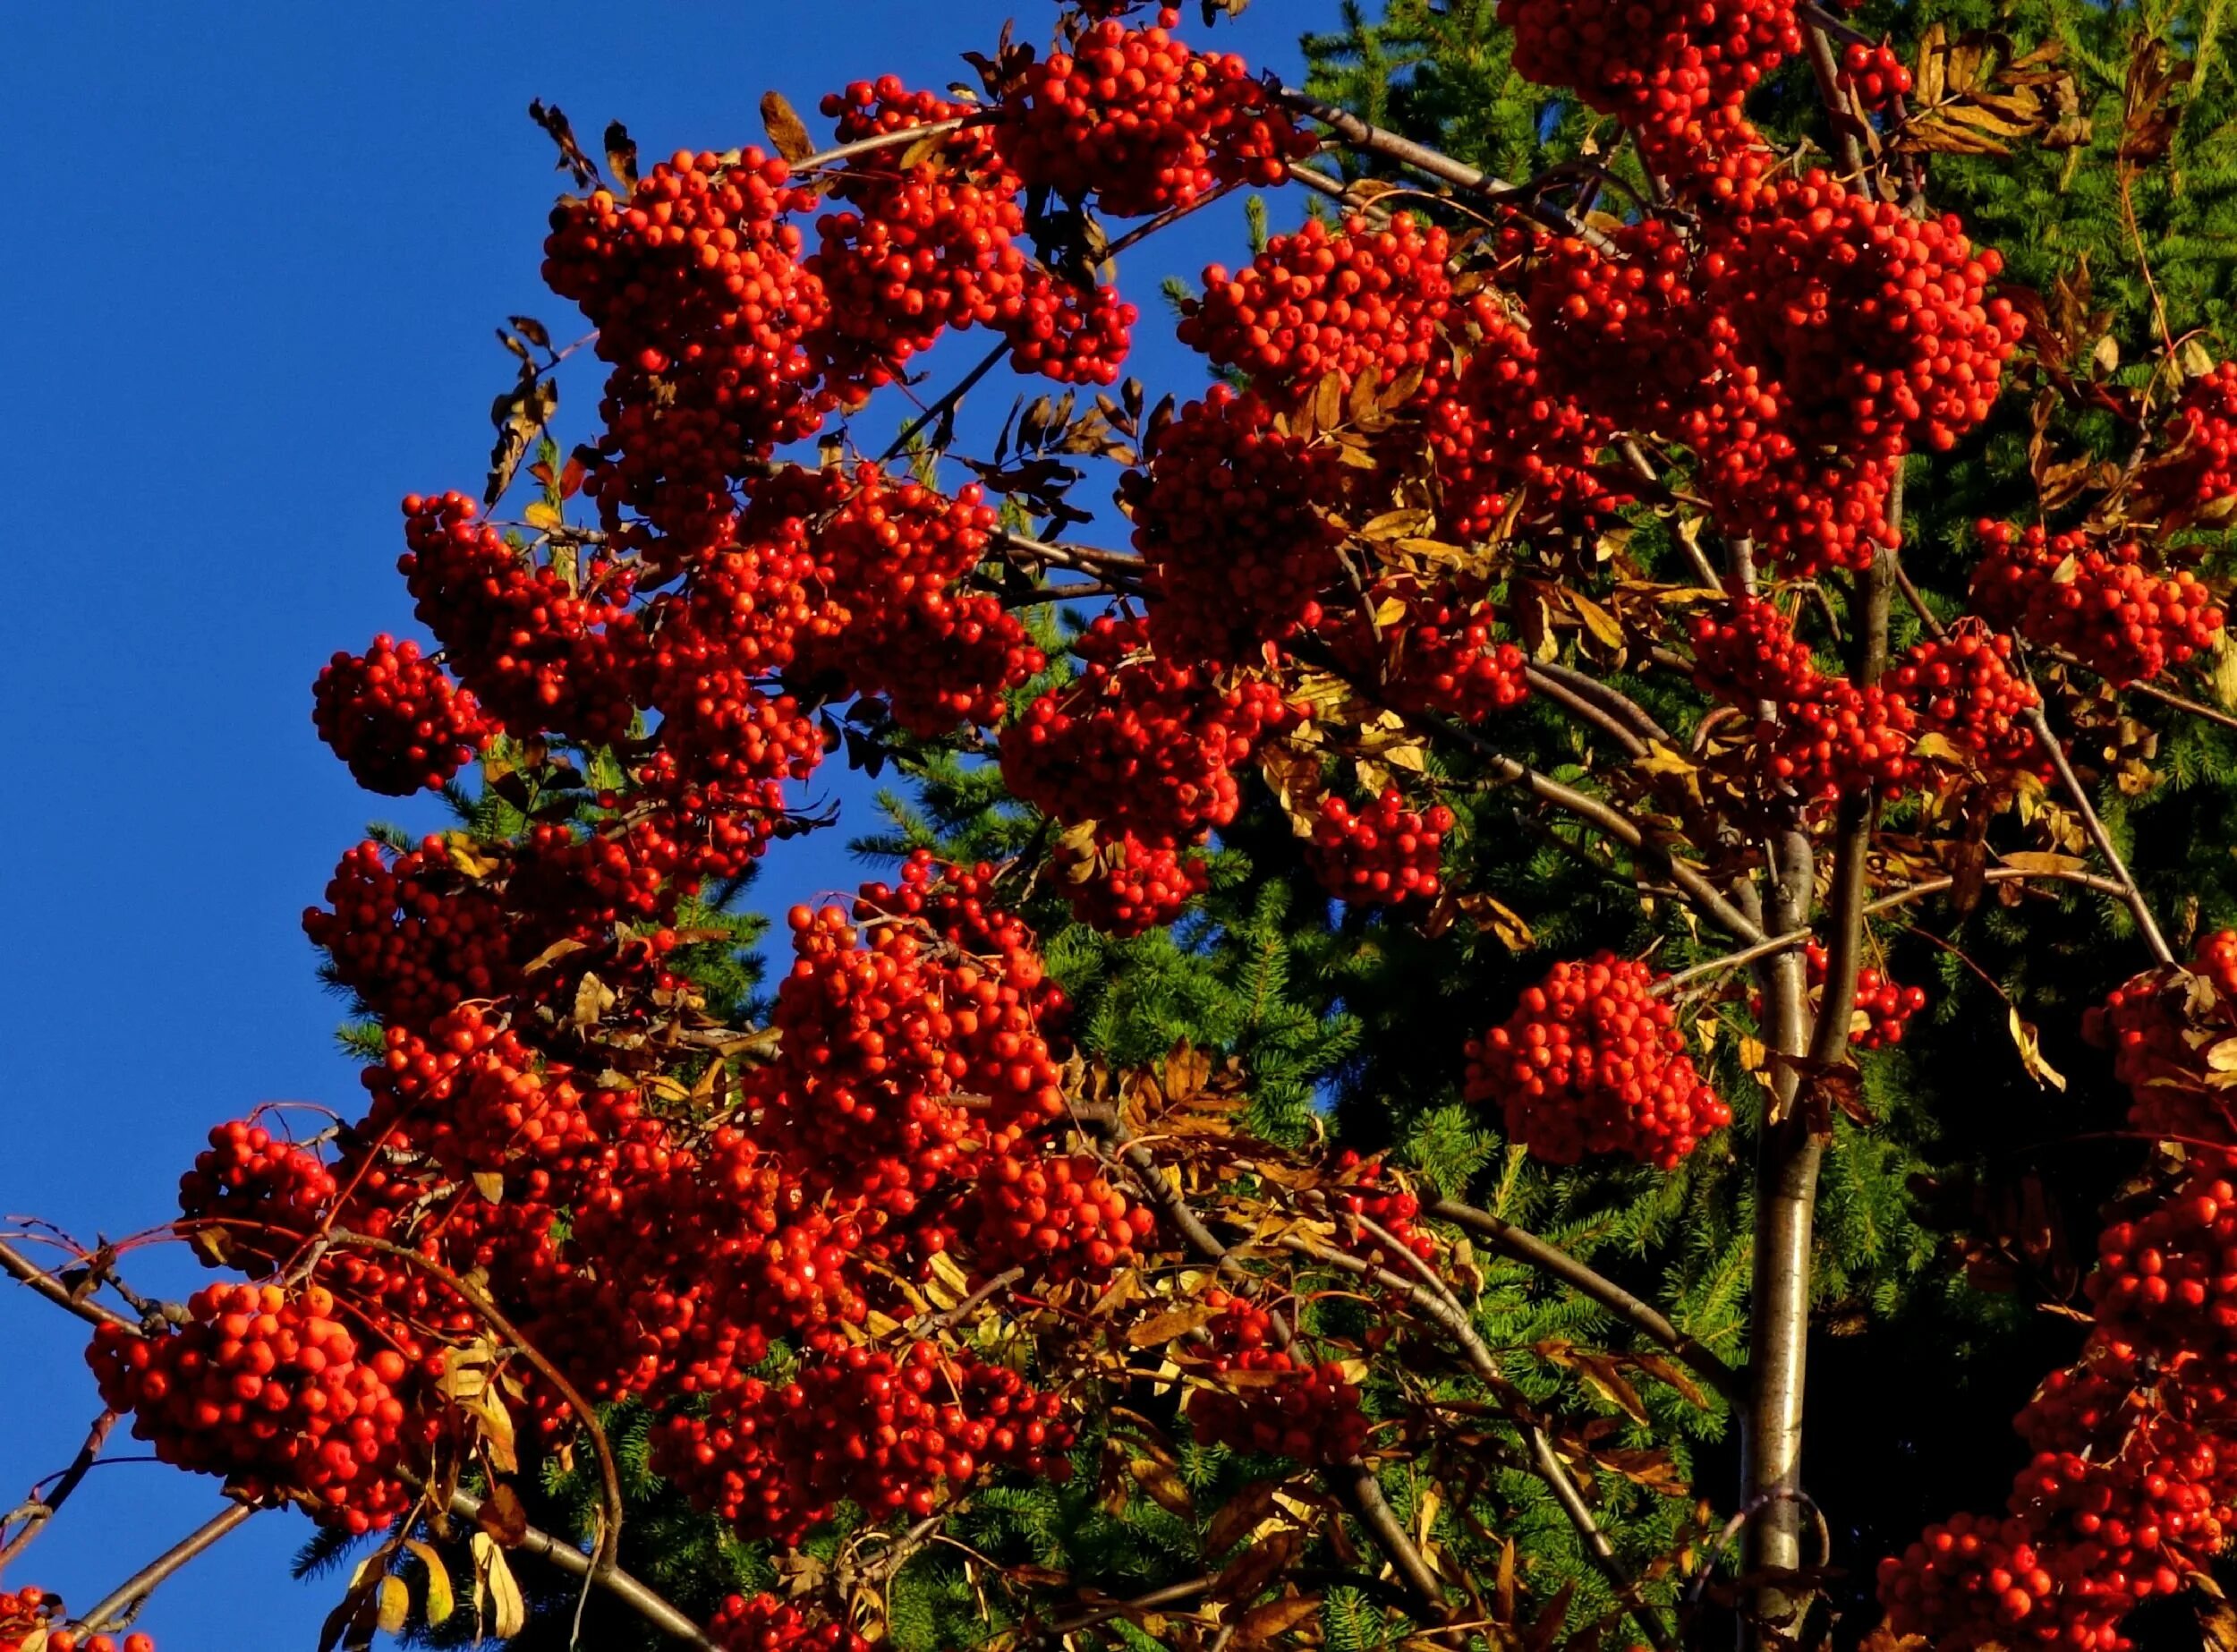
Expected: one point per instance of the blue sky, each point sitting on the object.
(259, 250)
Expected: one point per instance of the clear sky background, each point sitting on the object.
(247, 294)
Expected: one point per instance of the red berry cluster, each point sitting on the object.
(537, 653)
(398, 722)
(1501, 430)
(1381, 854)
(890, 1435)
(1141, 745)
(2206, 471)
(411, 935)
(1592, 1061)
(1274, 1403)
(267, 1388)
(765, 1623)
(1139, 122)
(1963, 687)
(1674, 72)
(247, 1181)
(695, 283)
(2095, 600)
(1746, 652)
(1884, 1004)
(2129, 1491)
(1061, 1216)
(1346, 301)
(1122, 886)
(1875, 73)
(1446, 660)
(1230, 515)
(938, 656)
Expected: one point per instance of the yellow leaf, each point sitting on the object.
(2031, 1054)
(1164, 1327)
(1597, 620)
(1162, 1484)
(491, 1186)
(543, 515)
(439, 1603)
(494, 1580)
(2194, 358)
(396, 1605)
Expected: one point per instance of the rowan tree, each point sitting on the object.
(1577, 723)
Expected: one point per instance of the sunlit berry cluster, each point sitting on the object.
(1137, 743)
(764, 1623)
(1875, 73)
(1593, 1061)
(1229, 515)
(2094, 599)
(1381, 853)
(1963, 687)
(1673, 72)
(1138, 121)
(267, 1388)
(33, 1621)
(1350, 301)
(393, 716)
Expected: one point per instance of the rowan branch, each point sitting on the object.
(43, 1508)
(647, 1604)
(1434, 1299)
(127, 1596)
(1521, 1245)
(14, 1261)
(2139, 907)
(1357, 1485)
(1359, 134)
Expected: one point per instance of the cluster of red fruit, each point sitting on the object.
(1824, 735)
(1381, 854)
(400, 724)
(31, 1621)
(1592, 1061)
(266, 1387)
(1267, 1399)
(764, 1623)
(2096, 599)
(1346, 301)
(890, 1434)
(1138, 122)
(1673, 71)
(1148, 746)
(2207, 450)
(2130, 1490)
(1884, 1005)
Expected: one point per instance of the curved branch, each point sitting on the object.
(1521, 1245)
(609, 1474)
(1442, 1307)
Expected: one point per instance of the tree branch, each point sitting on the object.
(1359, 134)
(1521, 1245)
(44, 1508)
(14, 1261)
(648, 1605)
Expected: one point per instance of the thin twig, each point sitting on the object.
(1523, 1246)
(44, 1509)
(14, 1261)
